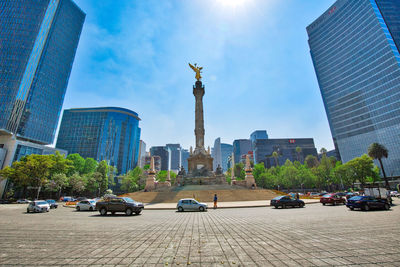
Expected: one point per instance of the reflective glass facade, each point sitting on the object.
(108, 133)
(357, 64)
(38, 40)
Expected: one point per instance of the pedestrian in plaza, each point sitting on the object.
(215, 201)
(297, 196)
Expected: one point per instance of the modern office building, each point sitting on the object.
(104, 133)
(216, 154)
(226, 152)
(175, 156)
(12, 149)
(184, 158)
(257, 135)
(157, 161)
(286, 149)
(162, 152)
(357, 63)
(241, 147)
(38, 40)
(142, 154)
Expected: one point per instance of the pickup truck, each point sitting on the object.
(119, 204)
(379, 193)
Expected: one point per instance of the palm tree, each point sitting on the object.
(275, 156)
(323, 151)
(378, 151)
(298, 151)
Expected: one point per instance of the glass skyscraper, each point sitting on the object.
(107, 133)
(38, 40)
(354, 46)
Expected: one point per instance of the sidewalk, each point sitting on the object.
(222, 205)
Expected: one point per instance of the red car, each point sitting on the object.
(332, 199)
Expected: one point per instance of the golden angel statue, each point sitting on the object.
(197, 70)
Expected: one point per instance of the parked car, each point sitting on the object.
(88, 204)
(379, 193)
(350, 195)
(367, 203)
(66, 199)
(332, 199)
(191, 204)
(394, 194)
(286, 201)
(38, 206)
(23, 201)
(53, 204)
(119, 204)
(313, 194)
(5, 201)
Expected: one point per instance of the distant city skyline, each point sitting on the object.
(257, 69)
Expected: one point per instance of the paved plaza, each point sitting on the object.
(312, 236)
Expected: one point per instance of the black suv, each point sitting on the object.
(286, 201)
(119, 204)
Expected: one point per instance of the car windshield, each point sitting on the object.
(194, 202)
(50, 201)
(128, 199)
(327, 195)
(92, 201)
(356, 198)
(277, 198)
(41, 203)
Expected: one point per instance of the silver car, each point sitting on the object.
(38, 206)
(191, 204)
(87, 204)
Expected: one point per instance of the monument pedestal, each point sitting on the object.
(150, 182)
(200, 164)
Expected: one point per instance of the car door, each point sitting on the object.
(195, 205)
(84, 205)
(186, 205)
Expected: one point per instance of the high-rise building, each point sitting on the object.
(162, 152)
(285, 148)
(257, 135)
(105, 133)
(184, 158)
(241, 147)
(142, 154)
(226, 152)
(216, 153)
(354, 46)
(38, 40)
(175, 156)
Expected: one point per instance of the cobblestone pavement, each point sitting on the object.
(312, 236)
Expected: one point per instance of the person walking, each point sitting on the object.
(215, 201)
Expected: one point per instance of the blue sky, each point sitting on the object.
(257, 73)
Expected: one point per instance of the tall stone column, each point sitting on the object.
(198, 92)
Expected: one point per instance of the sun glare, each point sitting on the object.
(232, 3)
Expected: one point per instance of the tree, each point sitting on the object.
(77, 183)
(239, 172)
(130, 181)
(298, 151)
(89, 166)
(311, 161)
(323, 151)
(378, 151)
(78, 163)
(342, 174)
(362, 168)
(61, 164)
(275, 155)
(57, 182)
(102, 176)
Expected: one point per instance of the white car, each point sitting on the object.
(191, 204)
(87, 204)
(23, 201)
(394, 194)
(38, 206)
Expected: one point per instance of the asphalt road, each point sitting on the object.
(312, 236)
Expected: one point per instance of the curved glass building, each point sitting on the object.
(357, 63)
(105, 133)
(38, 41)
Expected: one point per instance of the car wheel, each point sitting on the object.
(103, 211)
(180, 209)
(27, 210)
(324, 204)
(91, 208)
(366, 207)
(387, 207)
(78, 208)
(301, 205)
(201, 208)
(127, 212)
(283, 206)
(275, 207)
(334, 203)
(137, 212)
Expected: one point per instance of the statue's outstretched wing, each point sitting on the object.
(193, 68)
